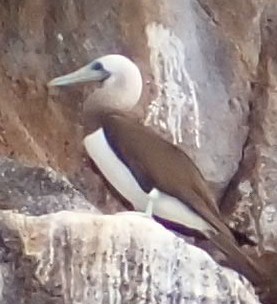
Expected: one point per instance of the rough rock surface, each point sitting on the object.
(209, 82)
(209, 71)
(71, 257)
(36, 191)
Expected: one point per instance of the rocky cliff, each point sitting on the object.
(209, 71)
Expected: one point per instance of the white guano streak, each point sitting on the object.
(176, 89)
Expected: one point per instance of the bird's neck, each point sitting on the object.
(93, 120)
(93, 111)
(99, 106)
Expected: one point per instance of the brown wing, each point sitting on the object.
(162, 166)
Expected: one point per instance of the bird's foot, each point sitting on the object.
(149, 209)
(139, 213)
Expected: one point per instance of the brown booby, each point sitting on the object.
(151, 173)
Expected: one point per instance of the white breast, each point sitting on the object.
(114, 170)
(121, 178)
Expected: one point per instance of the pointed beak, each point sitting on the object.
(84, 74)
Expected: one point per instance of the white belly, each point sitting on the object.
(121, 178)
(114, 170)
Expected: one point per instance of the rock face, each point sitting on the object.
(209, 86)
(36, 191)
(83, 258)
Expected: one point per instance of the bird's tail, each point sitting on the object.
(240, 261)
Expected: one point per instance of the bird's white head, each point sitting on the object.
(120, 78)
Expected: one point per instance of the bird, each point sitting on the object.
(151, 173)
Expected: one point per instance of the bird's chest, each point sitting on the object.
(121, 178)
(114, 170)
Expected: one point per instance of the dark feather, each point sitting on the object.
(143, 180)
(240, 261)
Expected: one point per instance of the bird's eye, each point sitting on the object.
(97, 66)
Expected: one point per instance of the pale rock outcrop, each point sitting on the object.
(78, 257)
